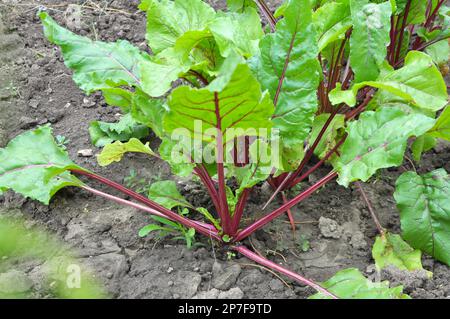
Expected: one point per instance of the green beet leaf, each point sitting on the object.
(421, 145)
(332, 20)
(114, 152)
(370, 37)
(148, 111)
(351, 284)
(166, 194)
(377, 140)
(391, 249)
(102, 133)
(168, 20)
(96, 65)
(288, 67)
(424, 205)
(418, 82)
(442, 127)
(32, 164)
(234, 100)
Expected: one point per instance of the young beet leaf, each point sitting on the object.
(347, 81)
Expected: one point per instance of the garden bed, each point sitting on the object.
(335, 230)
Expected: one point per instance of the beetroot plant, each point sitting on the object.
(248, 95)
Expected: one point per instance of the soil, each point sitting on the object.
(336, 230)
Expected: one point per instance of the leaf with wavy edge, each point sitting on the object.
(114, 152)
(33, 165)
(424, 205)
(332, 20)
(391, 249)
(351, 284)
(289, 69)
(418, 82)
(96, 64)
(377, 140)
(168, 20)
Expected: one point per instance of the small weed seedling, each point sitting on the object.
(236, 104)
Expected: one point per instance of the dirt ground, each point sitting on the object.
(36, 88)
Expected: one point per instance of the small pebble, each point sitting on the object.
(85, 153)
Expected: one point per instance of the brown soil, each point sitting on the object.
(36, 88)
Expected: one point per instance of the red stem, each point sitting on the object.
(277, 212)
(239, 211)
(274, 266)
(267, 13)
(370, 208)
(203, 174)
(402, 31)
(186, 222)
(311, 150)
(289, 213)
(433, 14)
(315, 167)
(167, 213)
(224, 210)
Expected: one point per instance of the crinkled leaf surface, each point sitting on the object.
(238, 32)
(96, 64)
(103, 133)
(115, 151)
(289, 69)
(424, 205)
(33, 165)
(418, 82)
(232, 101)
(332, 20)
(370, 37)
(391, 249)
(351, 284)
(167, 20)
(166, 194)
(377, 140)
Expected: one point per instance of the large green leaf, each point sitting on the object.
(234, 100)
(33, 165)
(115, 151)
(332, 20)
(167, 20)
(161, 71)
(442, 127)
(166, 194)
(351, 284)
(103, 133)
(424, 205)
(419, 82)
(288, 67)
(370, 37)
(239, 32)
(96, 65)
(377, 140)
(391, 249)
